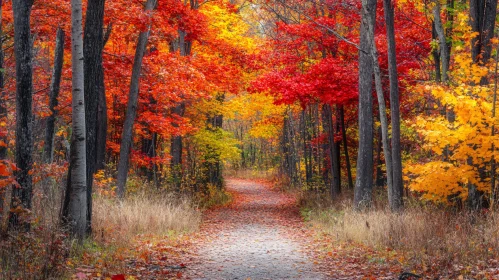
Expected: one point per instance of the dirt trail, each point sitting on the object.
(254, 238)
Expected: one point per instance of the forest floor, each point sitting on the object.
(259, 235)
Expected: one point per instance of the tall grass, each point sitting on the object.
(421, 231)
(143, 213)
(45, 251)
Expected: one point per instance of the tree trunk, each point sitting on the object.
(94, 90)
(379, 179)
(345, 146)
(333, 152)
(126, 139)
(21, 196)
(53, 95)
(289, 149)
(177, 145)
(382, 107)
(444, 50)
(364, 180)
(307, 153)
(3, 118)
(213, 165)
(176, 150)
(396, 192)
(77, 194)
(493, 166)
(436, 55)
(482, 20)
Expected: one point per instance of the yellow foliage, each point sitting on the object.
(460, 141)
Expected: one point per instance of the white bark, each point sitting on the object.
(78, 197)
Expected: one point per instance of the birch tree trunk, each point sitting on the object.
(364, 180)
(21, 196)
(76, 217)
(131, 112)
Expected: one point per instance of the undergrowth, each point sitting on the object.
(46, 251)
(426, 234)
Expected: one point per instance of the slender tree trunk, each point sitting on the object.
(436, 54)
(396, 193)
(177, 141)
(382, 108)
(126, 139)
(213, 165)
(94, 90)
(21, 196)
(380, 180)
(176, 150)
(325, 147)
(364, 179)
(54, 95)
(345, 147)
(3, 118)
(333, 152)
(444, 50)
(307, 154)
(493, 160)
(77, 194)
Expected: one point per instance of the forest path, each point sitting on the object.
(256, 237)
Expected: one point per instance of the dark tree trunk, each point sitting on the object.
(94, 90)
(307, 151)
(176, 150)
(149, 146)
(3, 118)
(127, 134)
(364, 179)
(53, 95)
(337, 152)
(213, 166)
(179, 110)
(396, 193)
(325, 147)
(380, 179)
(289, 150)
(333, 152)
(482, 20)
(21, 196)
(345, 146)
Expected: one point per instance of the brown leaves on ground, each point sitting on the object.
(179, 257)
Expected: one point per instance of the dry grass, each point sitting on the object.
(252, 174)
(421, 231)
(152, 214)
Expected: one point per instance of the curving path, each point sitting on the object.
(256, 237)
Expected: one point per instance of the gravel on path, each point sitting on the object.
(253, 237)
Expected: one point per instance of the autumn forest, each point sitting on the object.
(249, 139)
